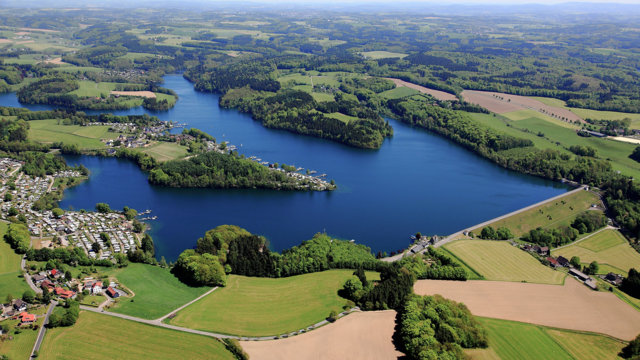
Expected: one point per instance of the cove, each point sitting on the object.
(417, 181)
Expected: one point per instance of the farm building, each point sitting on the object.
(553, 262)
(112, 293)
(579, 274)
(563, 261)
(614, 279)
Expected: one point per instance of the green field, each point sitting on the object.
(22, 344)
(157, 291)
(499, 260)
(510, 340)
(97, 336)
(399, 92)
(93, 300)
(538, 216)
(86, 137)
(382, 55)
(607, 247)
(264, 306)
(10, 272)
(164, 151)
(529, 114)
(342, 117)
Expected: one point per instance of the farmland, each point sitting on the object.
(571, 306)
(85, 137)
(559, 212)
(266, 306)
(514, 340)
(164, 151)
(10, 280)
(594, 114)
(157, 291)
(350, 337)
(607, 247)
(497, 260)
(97, 336)
(382, 55)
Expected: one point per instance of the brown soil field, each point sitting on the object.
(361, 335)
(440, 95)
(20, 33)
(147, 94)
(57, 61)
(43, 30)
(502, 103)
(572, 306)
(4, 41)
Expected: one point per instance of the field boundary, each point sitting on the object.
(480, 276)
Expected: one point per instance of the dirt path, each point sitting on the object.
(440, 95)
(160, 319)
(571, 306)
(363, 335)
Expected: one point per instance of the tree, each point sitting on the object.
(104, 236)
(9, 298)
(163, 262)
(103, 208)
(575, 262)
(333, 316)
(147, 245)
(28, 296)
(95, 247)
(8, 197)
(632, 350)
(12, 211)
(57, 212)
(418, 235)
(594, 268)
(488, 233)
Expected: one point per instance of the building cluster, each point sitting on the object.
(112, 232)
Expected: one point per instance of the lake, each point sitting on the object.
(417, 181)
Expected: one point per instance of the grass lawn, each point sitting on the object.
(97, 336)
(22, 344)
(10, 282)
(264, 306)
(528, 114)
(382, 55)
(157, 291)
(520, 341)
(607, 247)
(164, 151)
(538, 216)
(399, 92)
(92, 88)
(342, 117)
(498, 260)
(93, 300)
(86, 137)
(593, 114)
(319, 97)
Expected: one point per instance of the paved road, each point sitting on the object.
(43, 328)
(451, 237)
(187, 304)
(27, 277)
(158, 322)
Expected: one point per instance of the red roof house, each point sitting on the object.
(26, 318)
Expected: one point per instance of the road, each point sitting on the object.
(27, 277)
(158, 322)
(452, 237)
(43, 329)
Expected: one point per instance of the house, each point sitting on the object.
(563, 261)
(579, 274)
(47, 285)
(591, 283)
(112, 293)
(553, 262)
(19, 305)
(64, 294)
(26, 318)
(38, 278)
(614, 279)
(96, 288)
(526, 247)
(543, 250)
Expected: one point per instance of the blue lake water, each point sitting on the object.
(417, 181)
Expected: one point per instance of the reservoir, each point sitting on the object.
(416, 181)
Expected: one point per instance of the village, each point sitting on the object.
(100, 235)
